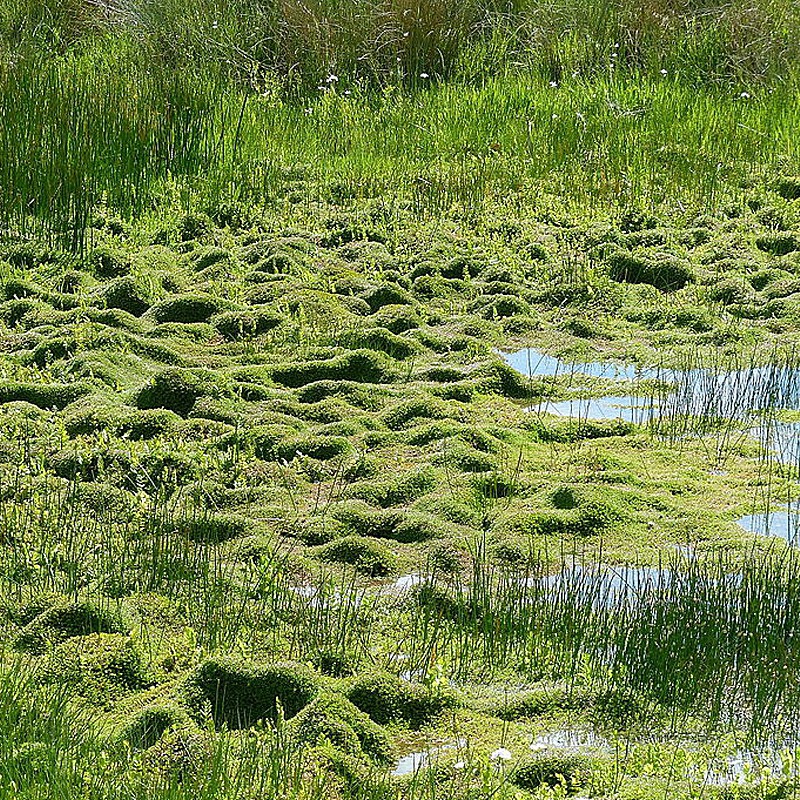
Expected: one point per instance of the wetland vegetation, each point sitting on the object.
(399, 399)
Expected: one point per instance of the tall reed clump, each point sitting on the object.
(92, 127)
(713, 638)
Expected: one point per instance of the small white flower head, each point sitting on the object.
(663, 72)
(424, 75)
(554, 84)
(347, 93)
(537, 747)
(332, 78)
(307, 111)
(215, 24)
(460, 765)
(745, 95)
(501, 754)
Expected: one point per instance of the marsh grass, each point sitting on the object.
(149, 111)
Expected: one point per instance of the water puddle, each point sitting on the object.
(569, 739)
(606, 586)
(784, 524)
(707, 393)
(411, 763)
(781, 439)
(535, 364)
(748, 766)
(406, 582)
(626, 408)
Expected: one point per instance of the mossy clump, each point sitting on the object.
(729, 291)
(553, 769)
(395, 491)
(789, 187)
(43, 395)
(362, 366)
(397, 318)
(174, 389)
(663, 271)
(568, 430)
(778, 243)
(239, 694)
(366, 555)
(336, 719)
(52, 349)
(322, 448)
(536, 702)
(360, 395)
(386, 295)
(208, 256)
(187, 308)
(211, 528)
(98, 665)
(500, 378)
(379, 339)
(108, 262)
(501, 306)
(63, 621)
(387, 698)
(147, 424)
(146, 726)
(127, 294)
(386, 524)
(458, 454)
(424, 407)
(237, 325)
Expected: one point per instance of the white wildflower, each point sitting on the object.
(501, 754)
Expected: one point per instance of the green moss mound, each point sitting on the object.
(322, 448)
(127, 294)
(98, 665)
(147, 725)
(175, 390)
(553, 769)
(64, 621)
(187, 308)
(663, 271)
(366, 555)
(398, 525)
(361, 366)
(45, 396)
(211, 528)
(387, 698)
(335, 719)
(237, 325)
(239, 693)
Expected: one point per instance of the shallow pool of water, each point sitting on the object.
(411, 763)
(745, 766)
(783, 523)
(536, 364)
(627, 408)
(607, 585)
(572, 739)
(710, 393)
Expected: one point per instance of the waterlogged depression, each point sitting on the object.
(658, 392)
(752, 396)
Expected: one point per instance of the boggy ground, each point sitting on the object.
(274, 467)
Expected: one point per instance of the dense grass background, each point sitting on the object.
(439, 104)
